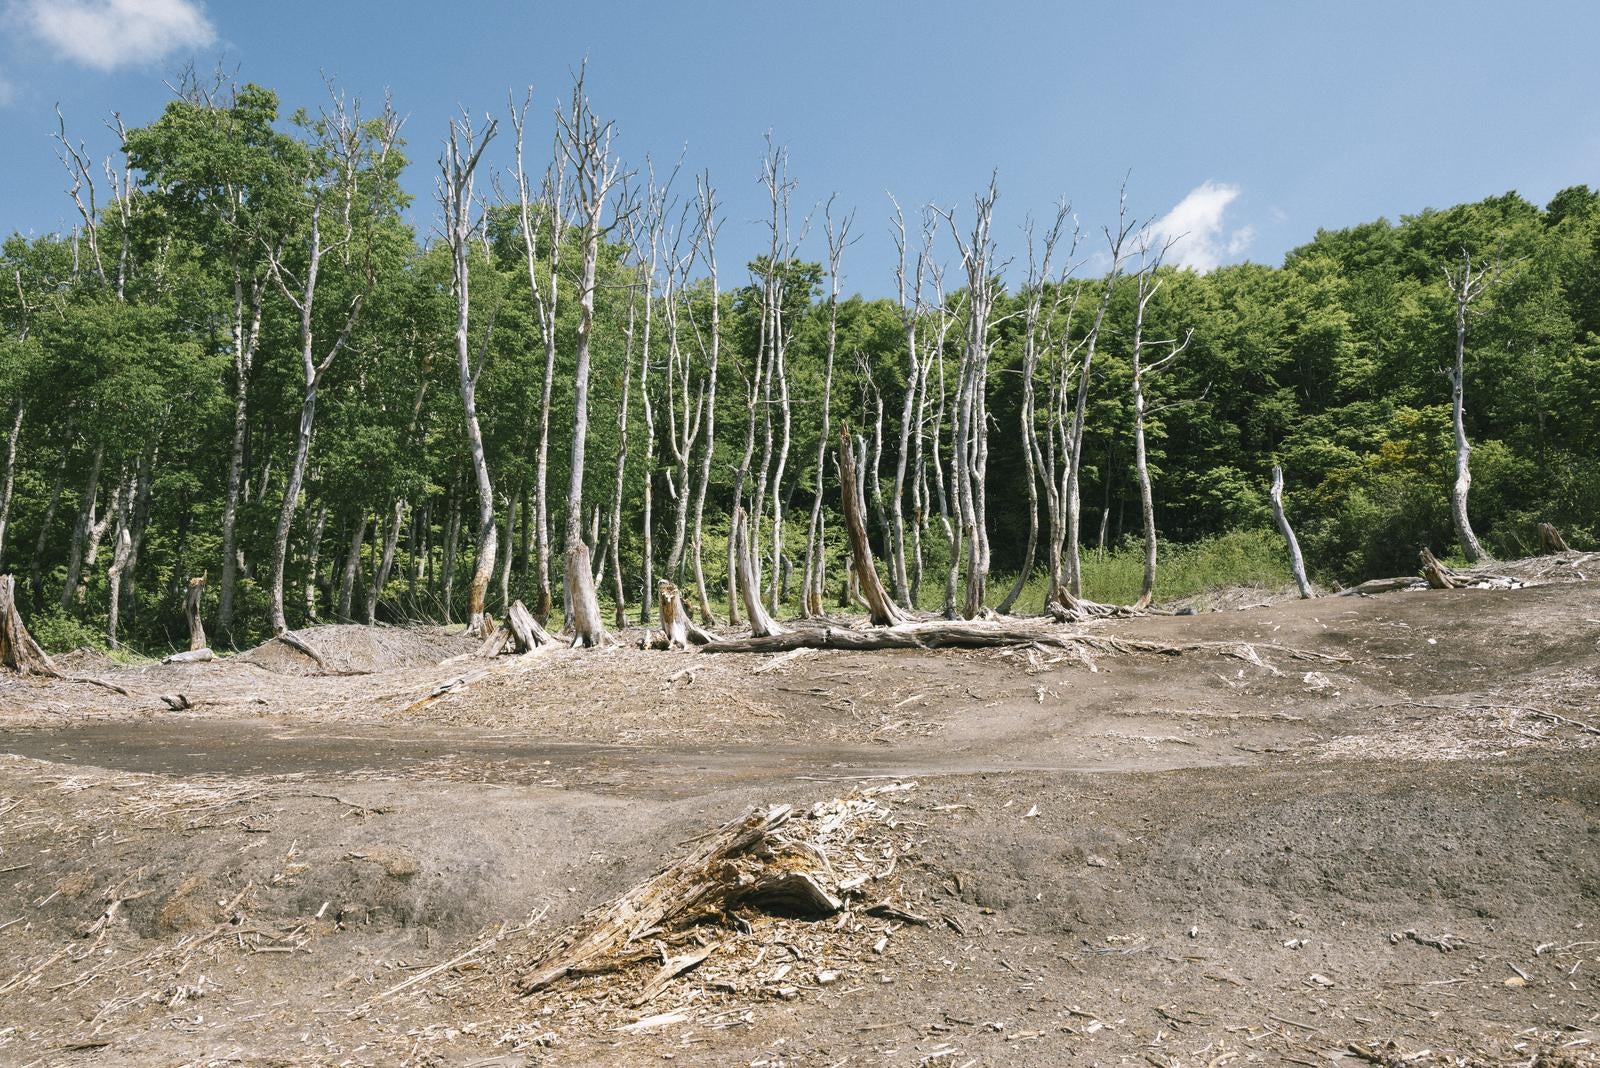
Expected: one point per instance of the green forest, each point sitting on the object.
(255, 360)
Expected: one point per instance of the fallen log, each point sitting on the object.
(191, 656)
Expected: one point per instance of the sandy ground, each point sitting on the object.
(1226, 857)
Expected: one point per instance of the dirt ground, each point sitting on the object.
(1230, 856)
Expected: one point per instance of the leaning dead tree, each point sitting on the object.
(885, 612)
(1466, 285)
(1297, 563)
(18, 651)
(597, 172)
(463, 149)
(761, 622)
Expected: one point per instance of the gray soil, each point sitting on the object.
(1199, 860)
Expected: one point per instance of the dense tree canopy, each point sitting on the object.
(153, 383)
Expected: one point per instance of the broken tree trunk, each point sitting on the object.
(680, 629)
(1297, 562)
(761, 622)
(742, 862)
(1551, 541)
(588, 627)
(885, 613)
(191, 608)
(18, 650)
(520, 633)
(1438, 575)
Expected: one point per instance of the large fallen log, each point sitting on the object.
(1439, 575)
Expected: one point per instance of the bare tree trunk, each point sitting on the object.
(816, 568)
(1466, 286)
(352, 567)
(463, 151)
(761, 623)
(545, 295)
(246, 336)
(380, 573)
(619, 593)
(192, 602)
(1297, 563)
(82, 528)
(36, 568)
(596, 173)
(885, 612)
(1147, 283)
(708, 236)
(1117, 244)
(9, 477)
(313, 553)
(447, 571)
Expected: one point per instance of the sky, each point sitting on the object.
(1244, 127)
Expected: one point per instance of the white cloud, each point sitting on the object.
(1196, 222)
(107, 34)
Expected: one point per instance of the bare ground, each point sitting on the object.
(1221, 858)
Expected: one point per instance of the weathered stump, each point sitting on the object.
(18, 651)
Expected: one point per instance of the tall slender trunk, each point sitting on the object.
(385, 564)
(246, 335)
(464, 150)
(81, 530)
(352, 568)
(1470, 547)
(36, 568)
(708, 227)
(313, 554)
(9, 477)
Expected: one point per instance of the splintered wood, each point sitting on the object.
(761, 909)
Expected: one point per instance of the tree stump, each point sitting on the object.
(588, 627)
(680, 629)
(1551, 541)
(18, 651)
(191, 609)
(1438, 575)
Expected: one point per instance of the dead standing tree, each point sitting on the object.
(969, 447)
(711, 348)
(814, 575)
(885, 612)
(1035, 332)
(463, 149)
(552, 214)
(1466, 286)
(1297, 563)
(596, 174)
(1147, 284)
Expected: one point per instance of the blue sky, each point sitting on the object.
(1246, 125)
